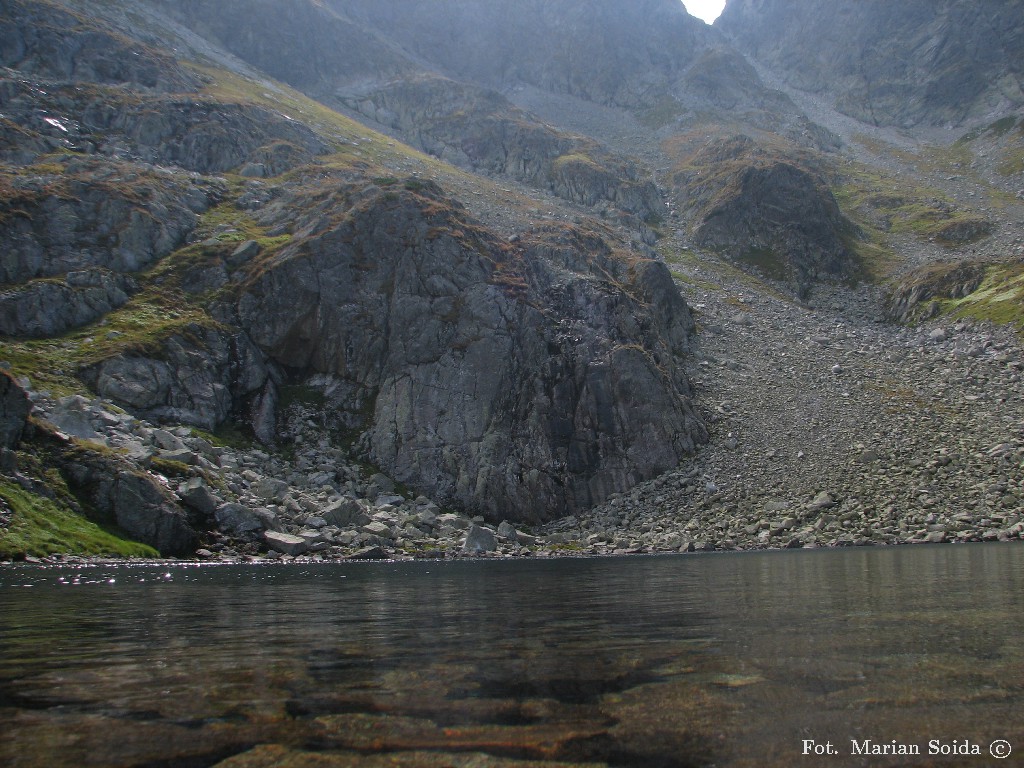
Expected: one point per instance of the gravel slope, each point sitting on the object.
(830, 428)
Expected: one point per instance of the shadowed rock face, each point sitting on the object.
(14, 410)
(766, 209)
(134, 500)
(51, 41)
(902, 63)
(522, 381)
(194, 378)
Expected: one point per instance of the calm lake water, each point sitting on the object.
(749, 659)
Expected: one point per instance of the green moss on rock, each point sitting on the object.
(39, 526)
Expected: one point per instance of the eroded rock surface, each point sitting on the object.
(520, 380)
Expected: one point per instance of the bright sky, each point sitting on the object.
(704, 9)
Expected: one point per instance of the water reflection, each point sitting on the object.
(669, 661)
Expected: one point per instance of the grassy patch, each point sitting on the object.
(666, 111)
(765, 261)
(883, 205)
(228, 435)
(139, 327)
(999, 299)
(42, 527)
(575, 160)
(997, 129)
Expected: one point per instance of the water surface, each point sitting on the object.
(724, 660)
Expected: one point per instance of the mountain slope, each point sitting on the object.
(230, 242)
(339, 239)
(914, 62)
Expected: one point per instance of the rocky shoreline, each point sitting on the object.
(830, 428)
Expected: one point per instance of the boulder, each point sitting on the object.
(507, 532)
(478, 540)
(243, 522)
(345, 513)
(369, 553)
(285, 543)
(134, 500)
(196, 495)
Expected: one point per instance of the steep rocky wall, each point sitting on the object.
(94, 215)
(305, 43)
(607, 51)
(521, 381)
(481, 129)
(931, 62)
(197, 377)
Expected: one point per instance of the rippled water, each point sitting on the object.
(724, 660)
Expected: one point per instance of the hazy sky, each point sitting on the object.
(704, 9)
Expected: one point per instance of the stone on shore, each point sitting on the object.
(479, 540)
(285, 543)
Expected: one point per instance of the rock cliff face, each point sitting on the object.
(45, 308)
(14, 410)
(934, 62)
(86, 214)
(314, 46)
(50, 40)
(606, 51)
(197, 377)
(481, 129)
(766, 208)
(516, 380)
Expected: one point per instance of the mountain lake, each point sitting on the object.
(909, 656)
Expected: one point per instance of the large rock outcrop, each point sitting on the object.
(133, 500)
(93, 214)
(188, 131)
(523, 381)
(195, 377)
(768, 209)
(932, 62)
(50, 40)
(919, 293)
(48, 308)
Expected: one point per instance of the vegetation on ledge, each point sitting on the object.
(38, 526)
